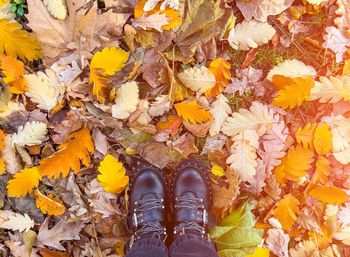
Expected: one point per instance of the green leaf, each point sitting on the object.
(236, 236)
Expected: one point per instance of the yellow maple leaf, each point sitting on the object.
(77, 147)
(48, 204)
(13, 70)
(329, 195)
(294, 165)
(221, 70)
(306, 135)
(260, 252)
(16, 42)
(321, 174)
(169, 13)
(104, 64)
(23, 182)
(322, 139)
(286, 211)
(293, 93)
(112, 176)
(193, 112)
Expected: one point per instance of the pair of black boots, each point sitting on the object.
(189, 198)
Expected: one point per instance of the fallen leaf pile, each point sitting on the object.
(258, 90)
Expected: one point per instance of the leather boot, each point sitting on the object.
(191, 199)
(147, 204)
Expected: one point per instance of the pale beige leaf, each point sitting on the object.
(10, 108)
(259, 117)
(154, 21)
(332, 89)
(220, 111)
(42, 90)
(343, 235)
(57, 8)
(277, 242)
(336, 40)
(316, 2)
(5, 12)
(198, 79)
(250, 34)
(343, 21)
(291, 69)
(31, 134)
(160, 106)
(174, 4)
(261, 9)
(243, 158)
(18, 222)
(61, 231)
(126, 100)
(12, 165)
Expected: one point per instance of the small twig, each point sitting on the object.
(301, 114)
(95, 236)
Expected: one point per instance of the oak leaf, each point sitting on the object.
(23, 182)
(76, 148)
(61, 231)
(332, 89)
(48, 204)
(259, 117)
(243, 158)
(126, 100)
(32, 133)
(221, 70)
(322, 139)
(329, 194)
(294, 165)
(57, 8)
(112, 177)
(220, 111)
(197, 79)
(103, 64)
(294, 91)
(250, 34)
(16, 42)
(192, 112)
(173, 17)
(261, 9)
(43, 89)
(291, 69)
(305, 135)
(18, 222)
(286, 211)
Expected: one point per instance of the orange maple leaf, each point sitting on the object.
(2, 166)
(329, 195)
(292, 91)
(306, 135)
(13, 70)
(321, 174)
(77, 148)
(2, 136)
(294, 165)
(323, 139)
(48, 204)
(172, 124)
(193, 112)
(221, 70)
(23, 182)
(286, 211)
(169, 12)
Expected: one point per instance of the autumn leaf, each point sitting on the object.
(217, 170)
(16, 42)
(2, 166)
(329, 194)
(220, 110)
(112, 176)
(13, 70)
(32, 133)
(57, 8)
(286, 211)
(76, 148)
(103, 64)
(321, 174)
(173, 123)
(322, 139)
(260, 252)
(291, 69)
(174, 17)
(221, 70)
(2, 137)
(294, 165)
(127, 98)
(18, 222)
(305, 135)
(293, 93)
(23, 182)
(48, 204)
(52, 253)
(197, 79)
(192, 112)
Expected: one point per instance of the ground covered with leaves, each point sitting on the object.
(257, 89)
